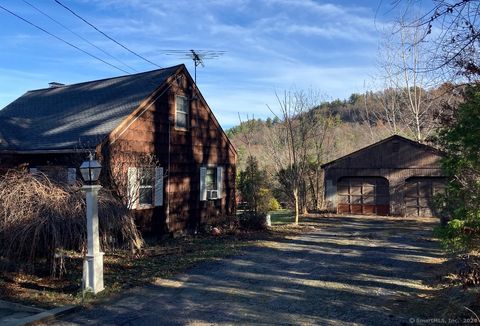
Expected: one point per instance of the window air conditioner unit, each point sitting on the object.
(212, 194)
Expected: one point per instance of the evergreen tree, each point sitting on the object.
(253, 186)
(460, 139)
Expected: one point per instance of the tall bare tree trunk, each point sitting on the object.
(295, 199)
(318, 194)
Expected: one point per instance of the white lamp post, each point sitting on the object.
(93, 264)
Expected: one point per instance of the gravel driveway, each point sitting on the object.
(349, 270)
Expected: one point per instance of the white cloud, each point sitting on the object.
(271, 45)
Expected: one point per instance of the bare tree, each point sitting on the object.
(390, 97)
(296, 145)
(321, 142)
(407, 80)
(453, 29)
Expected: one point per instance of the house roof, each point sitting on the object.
(383, 141)
(77, 116)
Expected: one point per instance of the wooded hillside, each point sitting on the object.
(305, 132)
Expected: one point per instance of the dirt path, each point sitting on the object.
(350, 270)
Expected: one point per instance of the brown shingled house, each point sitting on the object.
(161, 147)
(395, 176)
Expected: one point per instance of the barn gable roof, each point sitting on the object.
(76, 116)
(382, 142)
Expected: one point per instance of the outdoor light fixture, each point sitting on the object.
(93, 263)
(90, 170)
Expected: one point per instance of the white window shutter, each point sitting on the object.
(203, 183)
(158, 186)
(220, 181)
(71, 176)
(132, 188)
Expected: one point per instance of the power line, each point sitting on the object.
(62, 40)
(78, 35)
(109, 37)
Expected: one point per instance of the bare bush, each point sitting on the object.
(39, 219)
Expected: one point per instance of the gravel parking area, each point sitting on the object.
(347, 271)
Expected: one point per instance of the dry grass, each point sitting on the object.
(122, 270)
(40, 220)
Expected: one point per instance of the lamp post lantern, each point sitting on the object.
(93, 263)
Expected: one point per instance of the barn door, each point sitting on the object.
(420, 193)
(363, 195)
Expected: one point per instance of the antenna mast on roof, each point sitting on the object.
(197, 60)
(198, 56)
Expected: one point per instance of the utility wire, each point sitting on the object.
(78, 35)
(109, 37)
(62, 40)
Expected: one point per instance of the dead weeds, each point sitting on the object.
(40, 221)
(122, 270)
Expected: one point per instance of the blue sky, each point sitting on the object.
(271, 46)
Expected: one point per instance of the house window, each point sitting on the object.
(211, 183)
(145, 186)
(181, 112)
(57, 173)
(211, 179)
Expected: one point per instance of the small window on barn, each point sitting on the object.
(145, 187)
(181, 112)
(211, 183)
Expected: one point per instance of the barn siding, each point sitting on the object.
(396, 163)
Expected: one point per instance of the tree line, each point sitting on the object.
(306, 132)
(427, 90)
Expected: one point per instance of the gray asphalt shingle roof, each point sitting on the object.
(75, 116)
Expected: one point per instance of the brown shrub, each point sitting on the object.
(40, 219)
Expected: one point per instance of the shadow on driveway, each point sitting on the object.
(350, 270)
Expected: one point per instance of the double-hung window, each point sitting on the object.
(181, 112)
(145, 187)
(211, 183)
(211, 179)
(57, 173)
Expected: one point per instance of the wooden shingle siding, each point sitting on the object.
(181, 153)
(134, 120)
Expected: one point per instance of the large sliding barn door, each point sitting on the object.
(363, 195)
(420, 193)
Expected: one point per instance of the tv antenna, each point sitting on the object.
(198, 56)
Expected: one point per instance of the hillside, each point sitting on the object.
(358, 121)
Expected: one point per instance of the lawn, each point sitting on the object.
(282, 216)
(285, 217)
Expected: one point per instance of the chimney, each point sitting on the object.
(55, 85)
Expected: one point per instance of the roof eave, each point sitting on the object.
(436, 151)
(46, 151)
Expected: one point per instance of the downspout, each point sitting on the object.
(167, 208)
